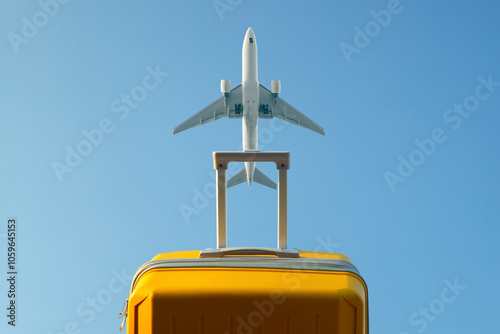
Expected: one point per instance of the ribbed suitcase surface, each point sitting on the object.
(182, 293)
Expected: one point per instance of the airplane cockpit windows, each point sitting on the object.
(251, 40)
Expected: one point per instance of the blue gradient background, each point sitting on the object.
(122, 204)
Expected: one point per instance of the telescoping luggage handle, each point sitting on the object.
(221, 162)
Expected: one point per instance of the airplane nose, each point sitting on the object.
(250, 33)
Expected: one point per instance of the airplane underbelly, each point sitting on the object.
(250, 133)
(250, 116)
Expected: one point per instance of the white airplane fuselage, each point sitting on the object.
(250, 89)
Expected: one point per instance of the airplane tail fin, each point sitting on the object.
(261, 178)
(258, 177)
(237, 178)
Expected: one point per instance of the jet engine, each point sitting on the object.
(275, 87)
(225, 87)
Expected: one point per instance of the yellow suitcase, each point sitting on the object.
(248, 290)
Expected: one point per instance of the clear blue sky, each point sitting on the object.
(405, 182)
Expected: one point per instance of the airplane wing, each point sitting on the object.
(274, 106)
(225, 106)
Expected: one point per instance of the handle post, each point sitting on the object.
(282, 209)
(221, 209)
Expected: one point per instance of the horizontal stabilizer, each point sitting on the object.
(237, 178)
(261, 178)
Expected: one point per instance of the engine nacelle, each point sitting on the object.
(225, 86)
(275, 87)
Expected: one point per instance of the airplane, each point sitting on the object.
(249, 101)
